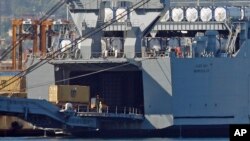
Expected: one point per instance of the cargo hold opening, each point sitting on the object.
(121, 89)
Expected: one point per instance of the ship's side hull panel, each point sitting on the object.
(157, 89)
(210, 91)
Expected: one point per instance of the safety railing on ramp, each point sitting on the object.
(114, 113)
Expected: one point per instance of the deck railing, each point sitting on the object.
(113, 112)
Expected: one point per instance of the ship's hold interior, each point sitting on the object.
(120, 89)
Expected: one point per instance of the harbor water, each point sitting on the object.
(98, 139)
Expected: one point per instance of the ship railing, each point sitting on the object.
(107, 54)
(5, 67)
(146, 54)
(115, 111)
(152, 54)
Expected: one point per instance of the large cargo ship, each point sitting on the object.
(176, 68)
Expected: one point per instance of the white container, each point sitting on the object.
(108, 14)
(220, 14)
(191, 14)
(177, 14)
(206, 14)
(121, 15)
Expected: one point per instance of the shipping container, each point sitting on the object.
(69, 93)
(6, 85)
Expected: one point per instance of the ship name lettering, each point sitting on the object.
(201, 68)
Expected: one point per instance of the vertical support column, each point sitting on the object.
(43, 39)
(14, 44)
(35, 49)
(20, 49)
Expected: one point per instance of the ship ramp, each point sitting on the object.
(46, 116)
